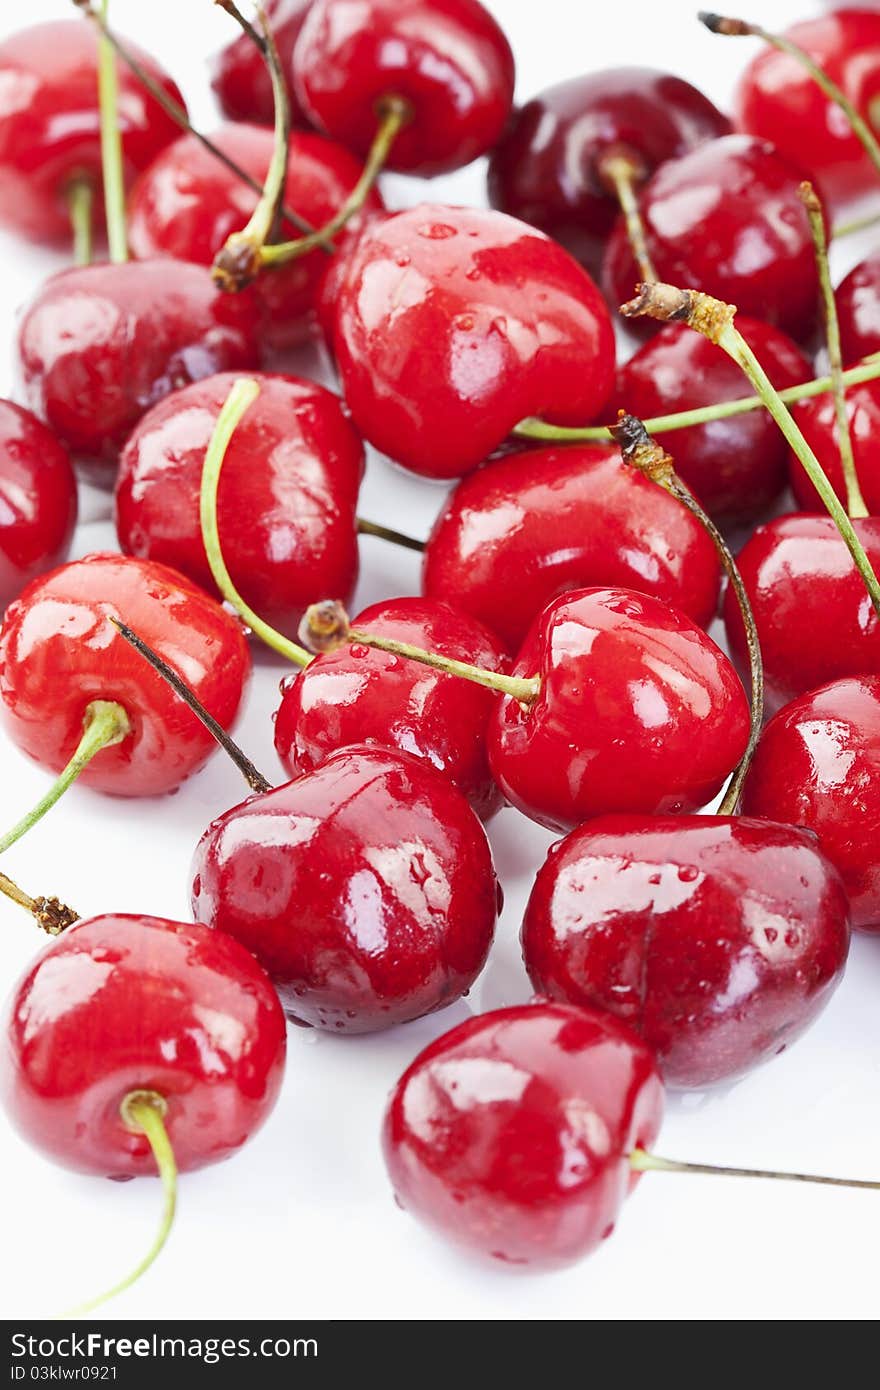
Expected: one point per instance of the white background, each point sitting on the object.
(302, 1222)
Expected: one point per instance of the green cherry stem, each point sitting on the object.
(80, 197)
(111, 148)
(643, 1162)
(858, 224)
(50, 914)
(385, 533)
(620, 173)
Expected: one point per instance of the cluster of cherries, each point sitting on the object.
(558, 657)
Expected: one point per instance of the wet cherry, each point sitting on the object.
(817, 422)
(239, 75)
(858, 310)
(37, 500)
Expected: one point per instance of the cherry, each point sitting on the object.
(37, 500)
(365, 888)
(717, 939)
(817, 421)
(548, 166)
(239, 76)
(858, 310)
(818, 765)
(453, 324)
(447, 60)
(519, 531)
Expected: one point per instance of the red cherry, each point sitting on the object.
(448, 59)
(737, 466)
(546, 169)
(815, 619)
(817, 421)
(100, 344)
(818, 765)
(50, 126)
(727, 219)
(512, 1133)
(521, 530)
(37, 500)
(239, 74)
(366, 889)
(187, 203)
(59, 653)
(718, 939)
(453, 324)
(286, 500)
(360, 695)
(858, 310)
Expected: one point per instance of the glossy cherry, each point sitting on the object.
(818, 765)
(512, 1133)
(818, 423)
(453, 324)
(523, 529)
(858, 310)
(37, 500)
(447, 59)
(718, 939)
(365, 888)
(239, 74)
(547, 167)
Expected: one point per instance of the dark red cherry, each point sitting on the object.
(50, 125)
(37, 500)
(815, 619)
(120, 1004)
(717, 939)
(286, 500)
(100, 344)
(637, 710)
(511, 1134)
(448, 59)
(858, 310)
(817, 420)
(453, 324)
(59, 653)
(523, 529)
(239, 74)
(818, 765)
(737, 467)
(357, 694)
(187, 203)
(727, 219)
(365, 888)
(547, 170)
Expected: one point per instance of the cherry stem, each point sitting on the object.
(385, 533)
(111, 148)
(80, 196)
(105, 724)
(143, 1112)
(326, 626)
(644, 453)
(619, 170)
(242, 395)
(50, 914)
(715, 320)
(644, 1162)
(858, 224)
(855, 502)
(254, 778)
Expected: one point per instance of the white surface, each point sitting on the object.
(302, 1223)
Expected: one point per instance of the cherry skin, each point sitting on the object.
(448, 59)
(717, 939)
(727, 219)
(818, 765)
(858, 310)
(239, 74)
(50, 125)
(37, 500)
(737, 467)
(453, 324)
(523, 529)
(817, 420)
(365, 888)
(128, 1003)
(638, 710)
(814, 617)
(59, 652)
(187, 203)
(286, 500)
(546, 168)
(358, 694)
(511, 1134)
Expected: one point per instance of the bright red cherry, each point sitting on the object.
(59, 653)
(50, 126)
(815, 619)
(727, 219)
(37, 500)
(286, 500)
(547, 167)
(717, 939)
(365, 888)
(453, 324)
(523, 529)
(512, 1133)
(737, 467)
(239, 74)
(817, 420)
(818, 765)
(858, 310)
(447, 59)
